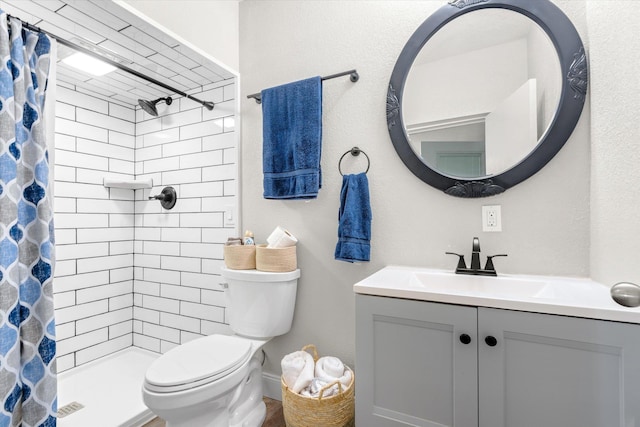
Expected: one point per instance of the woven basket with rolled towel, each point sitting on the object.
(334, 411)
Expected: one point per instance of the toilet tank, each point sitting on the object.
(260, 303)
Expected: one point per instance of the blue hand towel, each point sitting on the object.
(354, 219)
(292, 136)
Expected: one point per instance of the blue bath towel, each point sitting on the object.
(354, 219)
(292, 136)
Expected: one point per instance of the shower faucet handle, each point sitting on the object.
(167, 197)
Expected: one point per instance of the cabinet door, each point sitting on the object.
(411, 367)
(557, 371)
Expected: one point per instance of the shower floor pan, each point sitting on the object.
(107, 391)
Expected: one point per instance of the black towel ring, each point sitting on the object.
(355, 151)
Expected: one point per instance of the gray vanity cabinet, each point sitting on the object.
(518, 369)
(411, 367)
(557, 371)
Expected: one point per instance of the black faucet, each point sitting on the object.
(475, 254)
(474, 268)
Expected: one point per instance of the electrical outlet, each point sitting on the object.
(491, 218)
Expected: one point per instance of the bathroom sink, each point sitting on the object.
(581, 297)
(444, 282)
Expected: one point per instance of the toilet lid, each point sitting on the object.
(197, 362)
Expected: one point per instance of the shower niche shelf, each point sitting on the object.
(130, 184)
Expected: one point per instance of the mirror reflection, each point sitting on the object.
(481, 93)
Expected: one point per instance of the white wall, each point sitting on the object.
(129, 272)
(178, 252)
(547, 73)
(212, 25)
(474, 82)
(93, 287)
(545, 219)
(615, 140)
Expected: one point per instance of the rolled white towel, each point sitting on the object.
(297, 370)
(331, 368)
(313, 390)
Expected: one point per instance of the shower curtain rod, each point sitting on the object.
(353, 77)
(207, 104)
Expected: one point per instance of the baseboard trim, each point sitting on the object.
(271, 386)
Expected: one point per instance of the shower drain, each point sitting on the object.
(69, 409)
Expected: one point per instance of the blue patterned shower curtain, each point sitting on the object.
(27, 326)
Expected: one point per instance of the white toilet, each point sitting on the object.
(216, 381)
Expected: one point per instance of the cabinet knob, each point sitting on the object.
(491, 341)
(465, 339)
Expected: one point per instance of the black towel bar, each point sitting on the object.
(355, 151)
(354, 77)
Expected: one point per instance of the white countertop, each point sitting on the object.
(541, 294)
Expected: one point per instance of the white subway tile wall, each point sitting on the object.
(129, 272)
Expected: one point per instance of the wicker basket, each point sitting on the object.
(333, 411)
(276, 259)
(240, 257)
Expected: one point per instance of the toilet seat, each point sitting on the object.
(201, 361)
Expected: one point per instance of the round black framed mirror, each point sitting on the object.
(456, 135)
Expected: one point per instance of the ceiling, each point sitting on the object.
(110, 30)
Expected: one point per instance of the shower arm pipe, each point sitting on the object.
(354, 76)
(207, 104)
